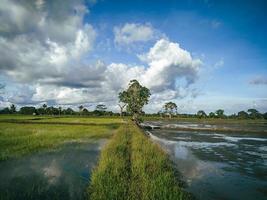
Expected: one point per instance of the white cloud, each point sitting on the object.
(42, 39)
(131, 33)
(166, 62)
(44, 45)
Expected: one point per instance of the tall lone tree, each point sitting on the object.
(81, 109)
(12, 108)
(121, 108)
(220, 113)
(170, 108)
(135, 97)
(201, 114)
(59, 110)
(45, 108)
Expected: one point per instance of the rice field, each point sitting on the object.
(130, 166)
(17, 139)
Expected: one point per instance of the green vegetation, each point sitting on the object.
(170, 108)
(132, 167)
(20, 139)
(135, 97)
(201, 114)
(111, 178)
(76, 120)
(100, 110)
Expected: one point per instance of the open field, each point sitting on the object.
(18, 139)
(132, 167)
(48, 119)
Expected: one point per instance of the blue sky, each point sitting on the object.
(107, 43)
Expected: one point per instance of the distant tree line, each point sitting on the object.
(100, 110)
(249, 114)
(170, 110)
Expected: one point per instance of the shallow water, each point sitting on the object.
(218, 165)
(252, 126)
(61, 174)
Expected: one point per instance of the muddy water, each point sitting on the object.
(218, 165)
(62, 174)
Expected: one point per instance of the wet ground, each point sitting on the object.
(218, 165)
(252, 126)
(61, 174)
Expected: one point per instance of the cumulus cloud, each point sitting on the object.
(107, 80)
(168, 61)
(40, 39)
(44, 44)
(164, 64)
(131, 33)
(260, 80)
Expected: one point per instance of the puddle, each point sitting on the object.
(218, 165)
(62, 174)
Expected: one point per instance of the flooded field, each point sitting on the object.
(248, 126)
(218, 165)
(60, 174)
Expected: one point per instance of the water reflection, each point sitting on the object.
(218, 165)
(62, 174)
(252, 126)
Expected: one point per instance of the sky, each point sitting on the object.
(200, 54)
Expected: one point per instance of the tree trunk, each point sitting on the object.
(121, 108)
(135, 117)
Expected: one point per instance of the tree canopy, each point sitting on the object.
(220, 113)
(201, 113)
(135, 97)
(170, 108)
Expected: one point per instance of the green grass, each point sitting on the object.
(17, 116)
(60, 119)
(19, 139)
(132, 167)
(111, 178)
(152, 172)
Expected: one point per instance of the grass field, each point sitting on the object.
(60, 120)
(132, 167)
(18, 139)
